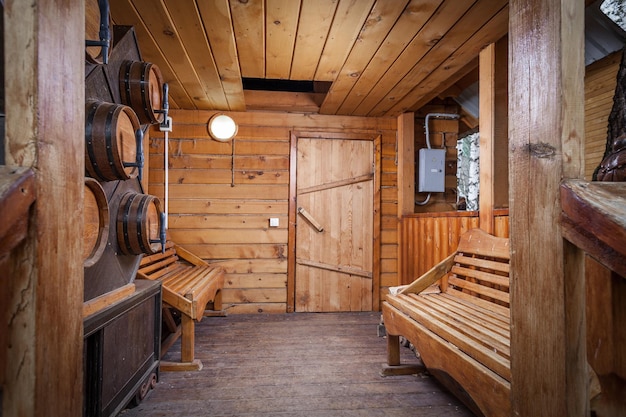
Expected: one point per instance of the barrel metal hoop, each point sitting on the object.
(146, 106)
(140, 221)
(125, 218)
(111, 147)
(90, 144)
(127, 69)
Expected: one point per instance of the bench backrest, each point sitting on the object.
(480, 272)
(158, 264)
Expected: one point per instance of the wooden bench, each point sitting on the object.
(189, 285)
(457, 316)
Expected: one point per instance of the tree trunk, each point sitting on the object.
(613, 165)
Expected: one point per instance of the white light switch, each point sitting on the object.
(273, 221)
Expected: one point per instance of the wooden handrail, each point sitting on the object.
(17, 193)
(594, 219)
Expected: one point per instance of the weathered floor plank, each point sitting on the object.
(294, 365)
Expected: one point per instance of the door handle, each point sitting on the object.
(310, 219)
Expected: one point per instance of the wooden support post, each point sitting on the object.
(405, 155)
(487, 94)
(45, 127)
(546, 124)
(501, 126)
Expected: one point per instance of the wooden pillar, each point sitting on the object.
(493, 85)
(405, 155)
(44, 70)
(501, 129)
(487, 126)
(546, 125)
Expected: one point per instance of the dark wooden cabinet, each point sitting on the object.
(122, 350)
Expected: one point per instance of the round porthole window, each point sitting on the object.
(222, 127)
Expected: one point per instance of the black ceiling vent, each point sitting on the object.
(294, 86)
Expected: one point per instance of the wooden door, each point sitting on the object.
(334, 224)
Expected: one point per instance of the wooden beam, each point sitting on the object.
(44, 61)
(405, 156)
(548, 350)
(594, 219)
(501, 129)
(487, 105)
(17, 194)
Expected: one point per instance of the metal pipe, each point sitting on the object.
(440, 116)
(423, 203)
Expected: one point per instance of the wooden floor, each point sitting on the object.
(304, 364)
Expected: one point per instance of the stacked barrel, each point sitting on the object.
(124, 96)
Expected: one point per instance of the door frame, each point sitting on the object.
(376, 138)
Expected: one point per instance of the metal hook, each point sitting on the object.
(162, 234)
(139, 158)
(104, 33)
(165, 108)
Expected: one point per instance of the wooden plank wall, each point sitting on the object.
(600, 82)
(224, 218)
(429, 238)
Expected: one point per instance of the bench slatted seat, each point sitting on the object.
(189, 285)
(458, 318)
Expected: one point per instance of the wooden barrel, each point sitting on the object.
(110, 142)
(141, 87)
(139, 224)
(96, 222)
(94, 54)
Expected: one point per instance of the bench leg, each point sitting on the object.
(187, 341)
(393, 365)
(393, 350)
(217, 310)
(217, 302)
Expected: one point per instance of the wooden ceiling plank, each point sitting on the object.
(402, 74)
(379, 23)
(249, 26)
(281, 25)
(124, 13)
(188, 24)
(344, 31)
(217, 20)
(159, 25)
(444, 85)
(316, 17)
(455, 67)
(415, 15)
(466, 28)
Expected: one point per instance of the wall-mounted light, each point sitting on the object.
(222, 127)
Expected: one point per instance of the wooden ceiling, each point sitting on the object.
(383, 57)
